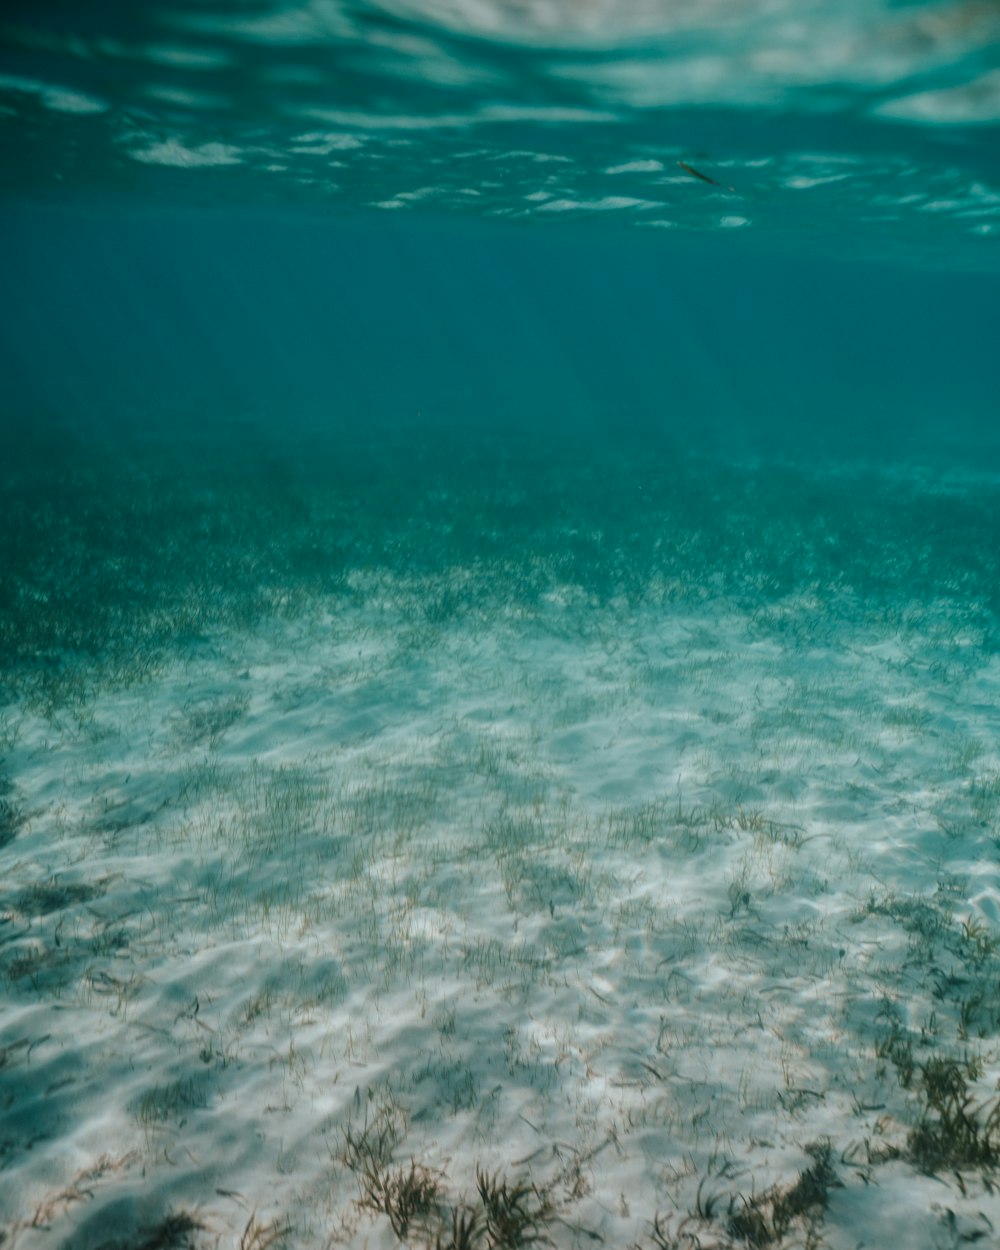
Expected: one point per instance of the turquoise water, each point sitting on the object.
(499, 623)
(770, 225)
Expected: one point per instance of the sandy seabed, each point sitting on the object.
(356, 928)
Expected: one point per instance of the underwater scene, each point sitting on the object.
(499, 624)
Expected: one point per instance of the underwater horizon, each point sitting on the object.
(499, 624)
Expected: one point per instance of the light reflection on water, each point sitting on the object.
(803, 117)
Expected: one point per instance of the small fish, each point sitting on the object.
(696, 173)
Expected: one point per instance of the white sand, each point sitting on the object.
(621, 903)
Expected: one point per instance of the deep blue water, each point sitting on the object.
(117, 316)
